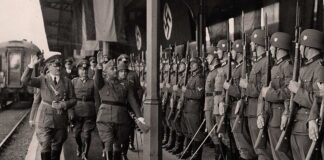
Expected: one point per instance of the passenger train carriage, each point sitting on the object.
(14, 58)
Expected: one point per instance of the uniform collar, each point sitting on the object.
(258, 58)
(312, 59)
(57, 77)
(282, 59)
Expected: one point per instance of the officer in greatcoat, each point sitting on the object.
(193, 105)
(85, 109)
(57, 97)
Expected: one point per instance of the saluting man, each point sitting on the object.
(311, 73)
(57, 97)
(253, 85)
(85, 109)
(241, 136)
(277, 92)
(193, 105)
(113, 117)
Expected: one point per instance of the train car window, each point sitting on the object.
(14, 68)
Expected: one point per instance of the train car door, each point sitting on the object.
(15, 60)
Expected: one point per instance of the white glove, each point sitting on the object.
(141, 119)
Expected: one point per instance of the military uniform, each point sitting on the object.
(113, 118)
(92, 69)
(281, 74)
(193, 106)
(84, 110)
(73, 72)
(256, 80)
(311, 72)
(52, 123)
(241, 135)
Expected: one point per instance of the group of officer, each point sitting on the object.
(100, 94)
(204, 99)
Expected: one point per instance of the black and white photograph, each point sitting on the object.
(161, 79)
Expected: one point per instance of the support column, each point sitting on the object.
(152, 109)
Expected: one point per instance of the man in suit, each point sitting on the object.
(57, 97)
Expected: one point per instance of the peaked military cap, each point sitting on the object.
(237, 46)
(281, 40)
(53, 57)
(123, 57)
(122, 66)
(83, 64)
(258, 37)
(69, 60)
(91, 59)
(312, 38)
(222, 44)
(195, 60)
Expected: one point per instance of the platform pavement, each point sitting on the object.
(95, 153)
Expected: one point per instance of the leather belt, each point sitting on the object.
(85, 99)
(113, 103)
(217, 93)
(209, 94)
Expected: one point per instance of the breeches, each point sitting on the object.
(51, 138)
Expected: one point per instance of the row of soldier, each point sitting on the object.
(89, 96)
(203, 101)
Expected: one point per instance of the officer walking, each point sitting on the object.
(241, 135)
(253, 87)
(57, 97)
(311, 73)
(113, 117)
(193, 105)
(124, 73)
(277, 92)
(85, 109)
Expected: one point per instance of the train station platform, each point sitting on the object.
(95, 153)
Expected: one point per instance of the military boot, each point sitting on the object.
(186, 153)
(195, 146)
(86, 146)
(55, 155)
(117, 155)
(165, 135)
(46, 155)
(179, 145)
(108, 155)
(79, 146)
(172, 140)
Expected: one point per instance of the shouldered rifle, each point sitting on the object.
(284, 140)
(239, 109)
(185, 80)
(166, 92)
(316, 145)
(222, 123)
(262, 138)
(174, 93)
